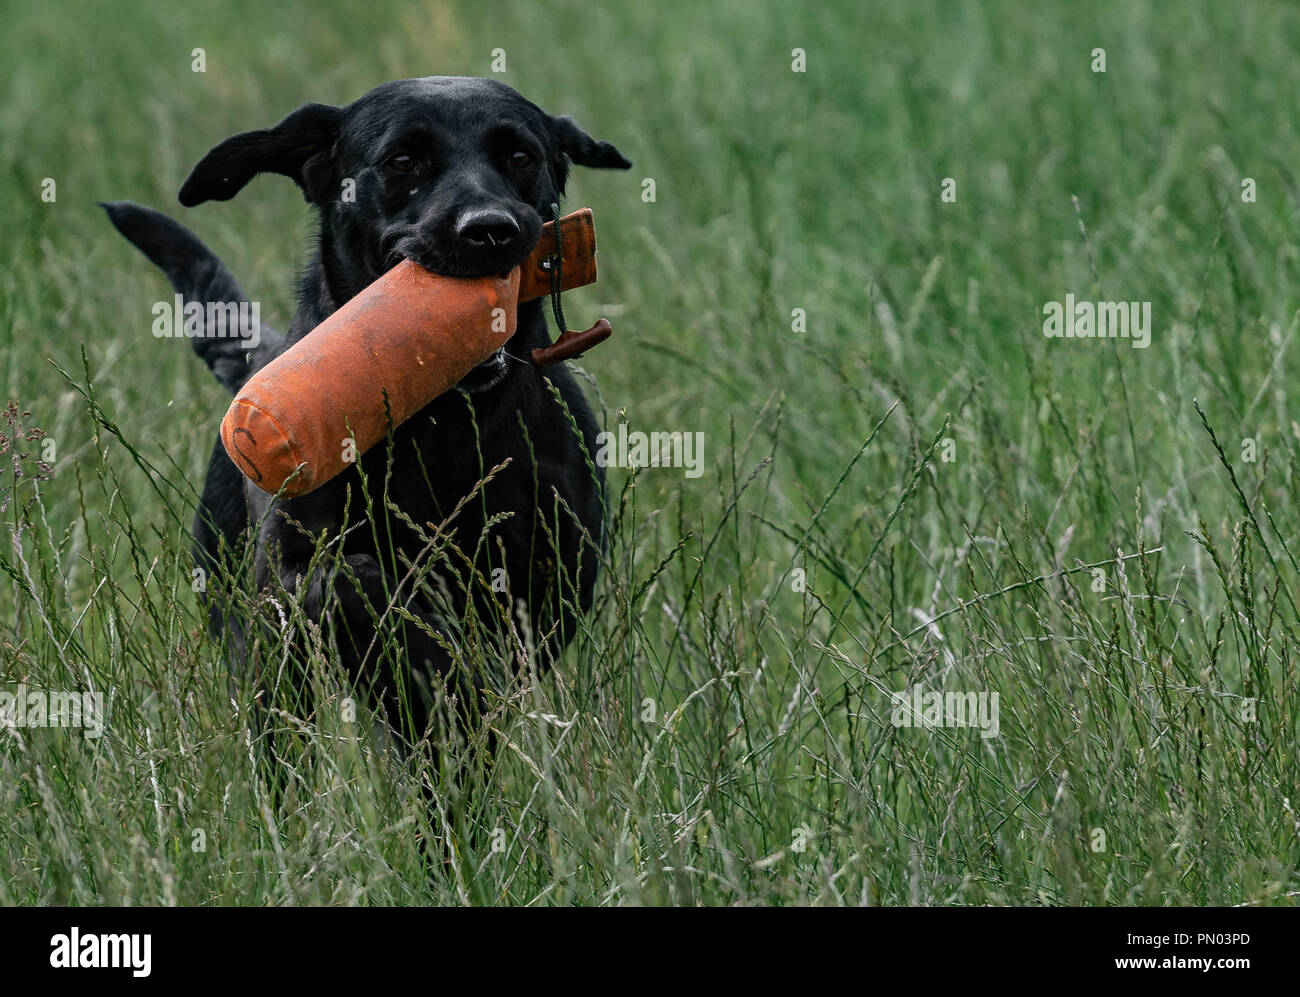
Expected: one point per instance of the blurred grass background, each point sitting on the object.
(1121, 709)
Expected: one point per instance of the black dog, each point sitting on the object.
(458, 175)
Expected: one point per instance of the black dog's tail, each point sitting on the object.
(198, 276)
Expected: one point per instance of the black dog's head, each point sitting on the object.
(455, 173)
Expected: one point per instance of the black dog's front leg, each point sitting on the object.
(385, 638)
(386, 641)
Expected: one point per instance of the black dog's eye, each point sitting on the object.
(519, 159)
(402, 163)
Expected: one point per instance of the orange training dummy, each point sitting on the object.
(410, 336)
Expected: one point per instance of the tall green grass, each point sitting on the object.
(1096, 551)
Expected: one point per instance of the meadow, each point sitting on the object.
(840, 282)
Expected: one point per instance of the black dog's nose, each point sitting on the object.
(487, 227)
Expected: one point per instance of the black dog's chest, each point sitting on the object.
(438, 469)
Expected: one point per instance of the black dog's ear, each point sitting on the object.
(284, 149)
(576, 146)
